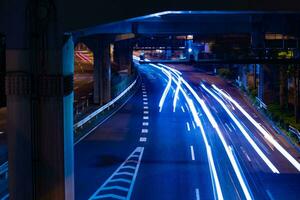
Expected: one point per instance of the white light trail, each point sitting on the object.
(176, 94)
(198, 122)
(166, 91)
(234, 164)
(288, 156)
(244, 132)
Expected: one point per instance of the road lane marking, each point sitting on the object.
(197, 194)
(245, 153)
(269, 194)
(145, 117)
(143, 139)
(232, 126)
(146, 112)
(145, 123)
(1, 132)
(146, 107)
(145, 99)
(144, 95)
(144, 92)
(228, 127)
(145, 103)
(121, 176)
(196, 118)
(182, 109)
(192, 152)
(188, 126)
(193, 124)
(145, 130)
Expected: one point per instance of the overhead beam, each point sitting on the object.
(231, 61)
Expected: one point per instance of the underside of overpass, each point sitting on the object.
(40, 69)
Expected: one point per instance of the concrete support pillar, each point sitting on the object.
(39, 89)
(2, 71)
(283, 89)
(297, 94)
(102, 72)
(255, 75)
(258, 45)
(260, 81)
(168, 53)
(123, 55)
(188, 49)
(243, 76)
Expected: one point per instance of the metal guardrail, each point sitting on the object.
(106, 106)
(294, 131)
(261, 103)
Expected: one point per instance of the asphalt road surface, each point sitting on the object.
(176, 139)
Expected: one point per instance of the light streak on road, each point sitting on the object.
(176, 94)
(166, 91)
(244, 132)
(213, 171)
(288, 156)
(233, 161)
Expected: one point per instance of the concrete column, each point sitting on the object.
(39, 89)
(260, 82)
(123, 55)
(243, 75)
(283, 88)
(130, 66)
(188, 48)
(168, 53)
(297, 93)
(2, 71)
(258, 45)
(254, 76)
(102, 72)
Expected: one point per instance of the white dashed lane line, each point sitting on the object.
(145, 116)
(144, 130)
(192, 152)
(182, 109)
(188, 126)
(193, 125)
(228, 127)
(232, 126)
(197, 194)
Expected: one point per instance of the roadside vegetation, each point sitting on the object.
(282, 118)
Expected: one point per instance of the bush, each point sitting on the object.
(226, 73)
(284, 119)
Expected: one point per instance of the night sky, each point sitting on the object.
(81, 14)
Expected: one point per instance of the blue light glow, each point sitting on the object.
(288, 156)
